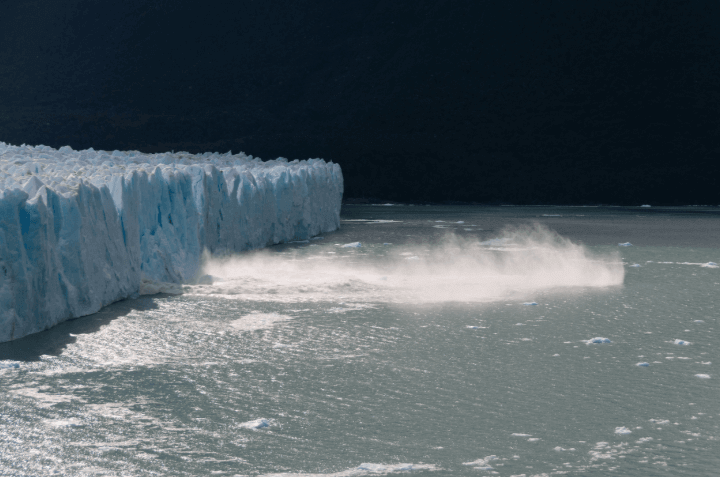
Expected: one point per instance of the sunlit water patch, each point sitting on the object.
(491, 353)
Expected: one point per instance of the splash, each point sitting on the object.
(518, 264)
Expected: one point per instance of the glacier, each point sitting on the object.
(82, 229)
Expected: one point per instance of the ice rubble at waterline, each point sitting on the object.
(82, 229)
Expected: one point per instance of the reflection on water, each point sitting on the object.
(475, 358)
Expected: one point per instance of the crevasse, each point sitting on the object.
(82, 229)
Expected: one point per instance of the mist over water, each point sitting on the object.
(516, 264)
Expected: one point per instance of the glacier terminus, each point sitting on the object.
(82, 229)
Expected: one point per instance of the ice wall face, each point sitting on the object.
(81, 229)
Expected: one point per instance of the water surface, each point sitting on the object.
(446, 343)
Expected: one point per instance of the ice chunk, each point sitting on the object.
(352, 245)
(626, 244)
(482, 464)
(681, 342)
(703, 376)
(151, 287)
(598, 340)
(256, 424)
(377, 469)
(82, 229)
(635, 265)
(643, 364)
(646, 205)
(709, 265)
(530, 303)
(622, 430)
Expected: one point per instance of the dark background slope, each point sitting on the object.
(523, 102)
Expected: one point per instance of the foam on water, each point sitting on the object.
(364, 469)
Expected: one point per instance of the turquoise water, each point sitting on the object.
(420, 351)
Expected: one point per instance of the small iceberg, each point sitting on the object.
(681, 342)
(635, 265)
(643, 364)
(472, 327)
(598, 340)
(702, 376)
(352, 245)
(622, 430)
(256, 424)
(710, 265)
(530, 303)
(626, 244)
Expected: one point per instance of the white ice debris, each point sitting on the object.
(530, 303)
(710, 265)
(702, 376)
(622, 430)
(256, 424)
(482, 464)
(681, 342)
(626, 244)
(7, 364)
(352, 245)
(635, 265)
(82, 229)
(646, 205)
(643, 364)
(598, 340)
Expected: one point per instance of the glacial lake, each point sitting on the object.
(420, 340)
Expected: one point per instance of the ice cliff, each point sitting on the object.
(82, 229)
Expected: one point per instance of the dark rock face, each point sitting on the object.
(560, 102)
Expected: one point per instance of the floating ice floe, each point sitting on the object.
(352, 245)
(702, 376)
(699, 321)
(598, 340)
(256, 424)
(635, 265)
(482, 464)
(643, 364)
(709, 265)
(530, 303)
(376, 469)
(622, 430)
(626, 244)
(681, 342)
